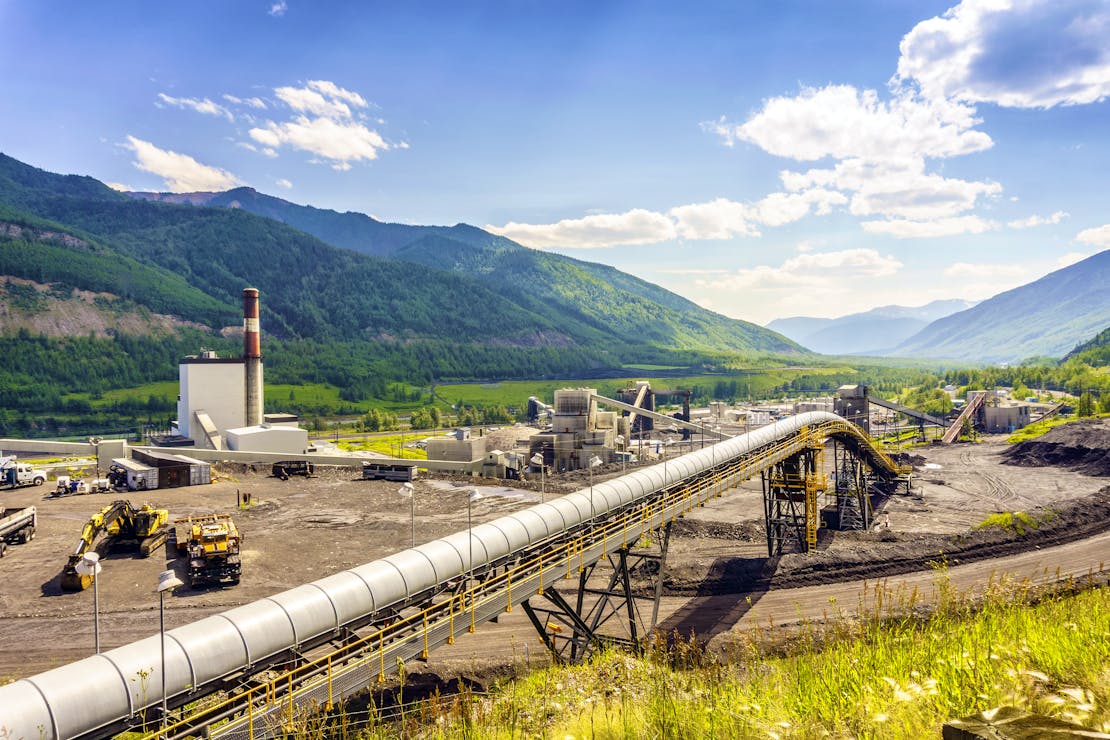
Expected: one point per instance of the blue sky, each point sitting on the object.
(763, 159)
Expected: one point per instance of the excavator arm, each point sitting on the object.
(119, 519)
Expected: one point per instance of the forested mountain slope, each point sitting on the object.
(1047, 317)
(595, 297)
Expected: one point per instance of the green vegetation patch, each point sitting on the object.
(1036, 429)
(1018, 522)
(883, 676)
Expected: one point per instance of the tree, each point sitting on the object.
(1086, 405)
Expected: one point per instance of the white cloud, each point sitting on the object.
(324, 124)
(257, 103)
(278, 9)
(968, 269)
(1070, 259)
(777, 209)
(1098, 236)
(637, 226)
(811, 269)
(206, 106)
(905, 229)
(1031, 221)
(181, 173)
(717, 219)
(1016, 53)
(338, 141)
(119, 186)
(283, 183)
(842, 122)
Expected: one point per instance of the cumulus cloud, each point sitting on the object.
(1098, 236)
(1031, 221)
(327, 123)
(810, 269)
(906, 229)
(278, 9)
(843, 122)
(283, 183)
(180, 172)
(1016, 53)
(637, 226)
(205, 106)
(717, 219)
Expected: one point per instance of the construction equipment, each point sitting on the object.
(16, 526)
(286, 468)
(16, 474)
(125, 527)
(212, 544)
(68, 486)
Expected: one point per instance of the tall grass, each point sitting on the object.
(888, 673)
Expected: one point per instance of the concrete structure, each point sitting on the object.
(460, 448)
(211, 398)
(281, 420)
(852, 403)
(266, 438)
(1004, 419)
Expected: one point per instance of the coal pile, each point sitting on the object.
(1082, 446)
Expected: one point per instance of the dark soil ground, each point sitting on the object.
(1083, 446)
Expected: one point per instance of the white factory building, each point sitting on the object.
(219, 404)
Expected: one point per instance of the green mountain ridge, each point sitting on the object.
(190, 260)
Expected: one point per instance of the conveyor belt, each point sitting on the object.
(412, 601)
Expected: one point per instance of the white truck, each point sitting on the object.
(15, 474)
(16, 526)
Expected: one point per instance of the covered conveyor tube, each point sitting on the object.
(94, 695)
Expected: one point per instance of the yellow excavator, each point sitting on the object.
(143, 529)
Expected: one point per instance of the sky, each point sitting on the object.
(764, 159)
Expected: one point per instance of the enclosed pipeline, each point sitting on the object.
(102, 693)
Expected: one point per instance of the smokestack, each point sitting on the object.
(252, 358)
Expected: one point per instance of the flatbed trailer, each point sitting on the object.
(17, 526)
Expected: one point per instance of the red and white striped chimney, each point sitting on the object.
(252, 358)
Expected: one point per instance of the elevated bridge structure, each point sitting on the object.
(258, 669)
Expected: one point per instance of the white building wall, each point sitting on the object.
(216, 388)
(268, 439)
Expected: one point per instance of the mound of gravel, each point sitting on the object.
(1083, 446)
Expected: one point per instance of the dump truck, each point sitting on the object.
(15, 474)
(123, 527)
(211, 543)
(17, 526)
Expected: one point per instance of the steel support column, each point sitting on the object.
(609, 614)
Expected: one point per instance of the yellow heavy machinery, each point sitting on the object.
(212, 544)
(124, 527)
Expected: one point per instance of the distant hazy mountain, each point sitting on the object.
(1047, 317)
(869, 332)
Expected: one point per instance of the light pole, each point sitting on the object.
(594, 462)
(537, 459)
(407, 489)
(167, 581)
(89, 565)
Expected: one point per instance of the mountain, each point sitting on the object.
(190, 259)
(869, 332)
(1047, 317)
(1095, 352)
(597, 297)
